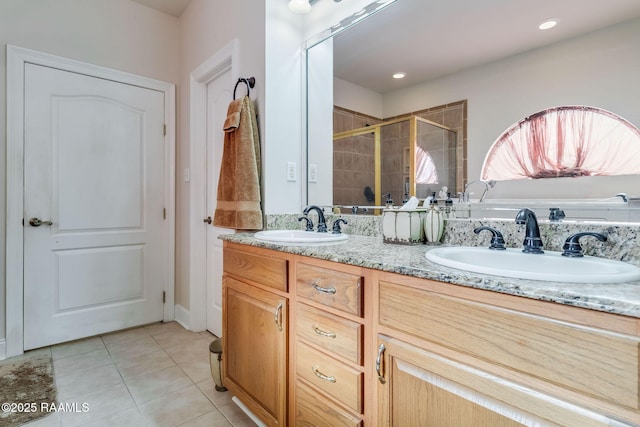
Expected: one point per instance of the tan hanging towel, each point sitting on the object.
(238, 204)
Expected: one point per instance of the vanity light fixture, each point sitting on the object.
(548, 24)
(299, 6)
(303, 6)
(399, 75)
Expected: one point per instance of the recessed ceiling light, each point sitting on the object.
(399, 75)
(548, 23)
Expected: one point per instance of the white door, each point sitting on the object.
(219, 94)
(94, 167)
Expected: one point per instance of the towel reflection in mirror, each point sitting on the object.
(566, 141)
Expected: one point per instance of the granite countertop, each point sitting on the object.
(371, 252)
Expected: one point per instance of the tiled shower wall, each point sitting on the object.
(353, 168)
(353, 157)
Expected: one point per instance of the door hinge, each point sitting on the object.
(164, 213)
(164, 297)
(164, 129)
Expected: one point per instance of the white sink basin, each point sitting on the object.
(551, 266)
(299, 237)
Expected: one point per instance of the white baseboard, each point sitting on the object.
(248, 412)
(183, 317)
(3, 349)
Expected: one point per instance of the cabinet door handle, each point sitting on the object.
(381, 350)
(277, 315)
(323, 333)
(319, 288)
(322, 376)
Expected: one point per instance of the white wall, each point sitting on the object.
(598, 70)
(357, 98)
(118, 34)
(320, 136)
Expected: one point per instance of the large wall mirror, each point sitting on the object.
(478, 68)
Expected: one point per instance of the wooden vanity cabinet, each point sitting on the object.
(450, 356)
(329, 328)
(255, 330)
(309, 342)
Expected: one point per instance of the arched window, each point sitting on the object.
(426, 172)
(565, 141)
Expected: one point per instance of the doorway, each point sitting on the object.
(211, 91)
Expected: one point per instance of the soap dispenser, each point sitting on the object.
(433, 223)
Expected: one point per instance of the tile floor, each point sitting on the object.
(156, 375)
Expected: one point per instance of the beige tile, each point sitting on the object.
(193, 358)
(156, 384)
(125, 336)
(207, 335)
(44, 351)
(133, 348)
(99, 404)
(76, 347)
(87, 381)
(162, 328)
(175, 338)
(129, 418)
(236, 416)
(144, 363)
(74, 364)
(177, 407)
(210, 419)
(219, 398)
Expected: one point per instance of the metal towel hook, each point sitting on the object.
(250, 82)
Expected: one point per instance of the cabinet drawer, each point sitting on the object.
(334, 333)
(263, 269)
(342, 291)
(331, 376)
(312, 409)
(592, 361)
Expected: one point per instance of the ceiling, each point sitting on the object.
(172, 7)
(428, 39)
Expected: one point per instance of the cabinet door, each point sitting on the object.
(255, 349)
(420, 388)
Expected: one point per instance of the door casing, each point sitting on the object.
(195, 318)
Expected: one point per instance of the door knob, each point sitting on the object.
(37, 222)
(207, 220)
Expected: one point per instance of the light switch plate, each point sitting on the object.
(313, 172)
(292, 172)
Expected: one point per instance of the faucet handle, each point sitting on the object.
(336, 225)
(497, 241)
(309, 226)
(572, 247)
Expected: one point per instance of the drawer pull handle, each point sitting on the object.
(322, 376)
(323, 333)
(323, 290)
(278, 316)
(381, 350)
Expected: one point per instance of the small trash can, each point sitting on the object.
(215, 361)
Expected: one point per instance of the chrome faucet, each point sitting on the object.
(487, 186)
(322, 224)
(532, 243)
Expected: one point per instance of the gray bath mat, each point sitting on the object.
(26, 383)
